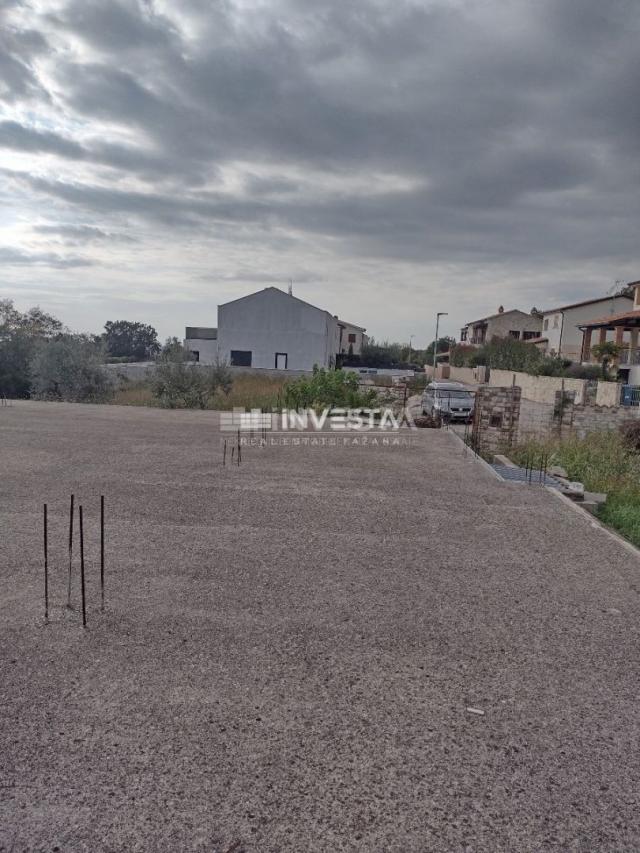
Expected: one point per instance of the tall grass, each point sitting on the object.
(249, 391)
(604, 463)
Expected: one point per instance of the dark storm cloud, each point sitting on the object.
(511, 129)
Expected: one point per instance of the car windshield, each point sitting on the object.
(456, 395)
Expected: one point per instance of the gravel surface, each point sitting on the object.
(327, 648)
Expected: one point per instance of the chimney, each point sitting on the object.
(501, 309)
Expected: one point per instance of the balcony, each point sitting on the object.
(629, 356)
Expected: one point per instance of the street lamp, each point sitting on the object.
(435, 343)
(411, 337)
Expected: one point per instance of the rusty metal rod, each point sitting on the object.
(46, 566)
(84, 608)
(70, 550)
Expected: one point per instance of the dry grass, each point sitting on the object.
(249, 391)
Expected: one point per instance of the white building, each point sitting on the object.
(273, 329)
(351, 338)
(561, 333)
(202, 343)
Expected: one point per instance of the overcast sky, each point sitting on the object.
(393, 158)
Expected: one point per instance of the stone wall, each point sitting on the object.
(540, 389)
(495, 419)
(608, 394)
(588, 419)
(562, 420)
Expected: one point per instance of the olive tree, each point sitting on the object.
(180, 383)
(70, 367)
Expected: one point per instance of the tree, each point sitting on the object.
(125, 339)
(444, 345)
(606, 352)
(173, 350)
(70, 367)
(19, 336)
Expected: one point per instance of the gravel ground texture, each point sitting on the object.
(291, 648)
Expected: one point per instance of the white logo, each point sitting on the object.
(308, 419)
(241, 419)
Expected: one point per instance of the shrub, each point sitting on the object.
(583, 371)
(551, 366)
(461, 355)
(508, 354)
(70, 368)
(327, 388)
(630, 433)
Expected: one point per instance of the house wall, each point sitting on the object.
(271, 321)
(565, 338)
(207, 349)
(344, 345)
(516, 321)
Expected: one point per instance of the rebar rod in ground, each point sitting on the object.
(102, 553)
(46, 566)
(224, 454)
(84, 608)
(70, 550)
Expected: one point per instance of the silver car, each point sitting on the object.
(450, 400)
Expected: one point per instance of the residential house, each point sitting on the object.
(504, 324)
(623, 329)
(562, 327)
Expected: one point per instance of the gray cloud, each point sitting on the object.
(76, 234)
(10, 256)
(485, 133)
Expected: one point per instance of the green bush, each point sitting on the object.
(551, 366)
(70, 367)
(622, 513)
(326, 389)
(583, 371)
(461, 355)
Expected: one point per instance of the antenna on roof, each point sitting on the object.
(290, 287)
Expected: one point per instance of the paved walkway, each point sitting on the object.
(291, 648)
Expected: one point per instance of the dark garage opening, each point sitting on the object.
(240, 358)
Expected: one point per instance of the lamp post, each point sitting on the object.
(435, 343)
(411, 337)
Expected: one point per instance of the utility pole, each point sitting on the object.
(411, 337)
(435, 343)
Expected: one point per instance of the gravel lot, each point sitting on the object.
(290, 649)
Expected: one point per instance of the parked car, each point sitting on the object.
(448, 400)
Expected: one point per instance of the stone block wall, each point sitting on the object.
(588, 419)
(496, 418)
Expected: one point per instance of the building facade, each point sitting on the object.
(623, 329)
(562, 327)
(504, 324)
(275, 330)
(202, 343)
